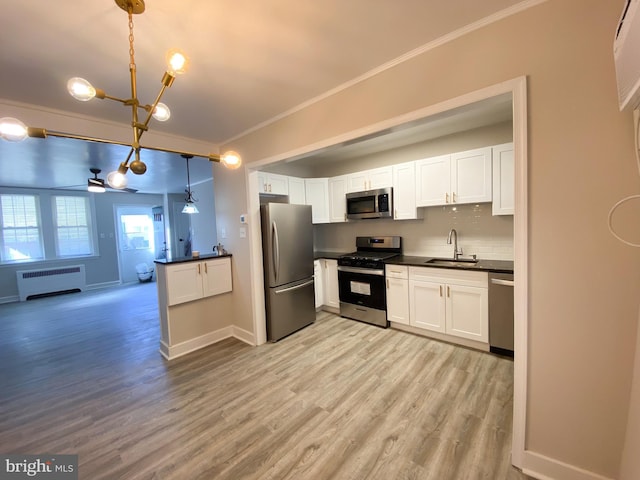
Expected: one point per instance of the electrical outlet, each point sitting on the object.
(223, 232)
(243, 232)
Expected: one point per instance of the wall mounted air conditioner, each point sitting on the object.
(626, 54)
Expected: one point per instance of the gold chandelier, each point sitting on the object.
(12, 129)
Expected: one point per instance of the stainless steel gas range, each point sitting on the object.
(361, 279)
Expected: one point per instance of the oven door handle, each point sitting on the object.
(364, 271)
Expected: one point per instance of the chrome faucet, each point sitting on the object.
(453, 233)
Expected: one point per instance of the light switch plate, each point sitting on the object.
(243, 232)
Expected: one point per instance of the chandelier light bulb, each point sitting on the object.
(161, 112)
(12, 129)
(80, 89)
(177, 62)
(117, 180)
(231, 160)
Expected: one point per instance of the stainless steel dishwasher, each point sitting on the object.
(501, 313)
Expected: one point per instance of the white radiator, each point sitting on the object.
(50, 280)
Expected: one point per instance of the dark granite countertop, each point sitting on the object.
(329, 255)
(206, 256)
(496, 266)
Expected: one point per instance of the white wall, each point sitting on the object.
(582, 314)
(203, 224)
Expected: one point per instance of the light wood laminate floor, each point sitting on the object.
(81, 374)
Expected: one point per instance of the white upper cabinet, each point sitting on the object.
(433, 181)
(471, 176)
(317, 195)
(404, 191)
(503, 180)
(273, 183)
(296, 191)
(337, 199)
(463, 177)
(370, 179)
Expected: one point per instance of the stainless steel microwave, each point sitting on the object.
(370, 204)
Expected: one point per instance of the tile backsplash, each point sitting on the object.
(479, 232)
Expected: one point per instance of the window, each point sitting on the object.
(137, 232)
(20, 235)
(72, 222)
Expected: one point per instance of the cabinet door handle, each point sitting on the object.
(198, 269)
(205, 268)
(446, 198)
(387, 284)
(448, 291)
(454, 197)
(440, 288)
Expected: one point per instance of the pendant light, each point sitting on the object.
(190, 206)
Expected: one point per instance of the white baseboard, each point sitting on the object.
(545, 468)
(10, 299)
(95, 286)
(244, 336)
(188, 346)
(441, 336)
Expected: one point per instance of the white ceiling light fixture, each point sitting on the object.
(14, 130)
(190, 206)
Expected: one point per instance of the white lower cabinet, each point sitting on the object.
(326, 283)
(397, 278)
(330, 277)
(318, 283)
(452, 302)
(193, 280)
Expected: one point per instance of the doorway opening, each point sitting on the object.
(136, 240)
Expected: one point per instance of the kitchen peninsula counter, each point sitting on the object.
(206, 256)
(194, 296)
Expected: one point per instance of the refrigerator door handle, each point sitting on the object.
(289, 289)
(275, 247)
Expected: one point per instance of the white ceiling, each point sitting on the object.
(250, 62)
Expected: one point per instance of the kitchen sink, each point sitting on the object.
(449, 262)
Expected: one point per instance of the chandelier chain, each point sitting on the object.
(132, 62)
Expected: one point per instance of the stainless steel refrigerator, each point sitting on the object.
(287, 247)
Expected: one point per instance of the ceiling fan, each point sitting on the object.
(98, 185)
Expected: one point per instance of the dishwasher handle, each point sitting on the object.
(505, 283)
